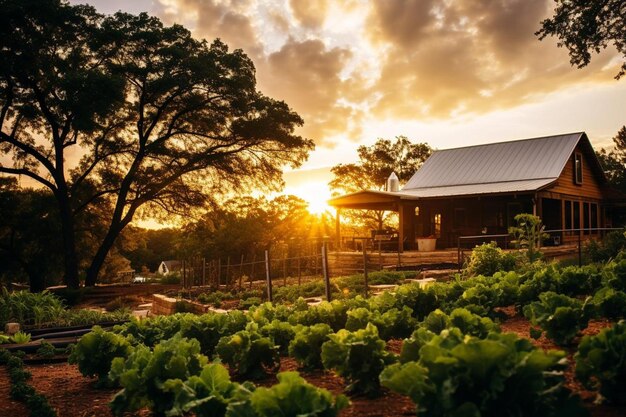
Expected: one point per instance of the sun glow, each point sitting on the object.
(316, 194)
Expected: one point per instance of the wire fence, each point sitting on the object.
(556, 237)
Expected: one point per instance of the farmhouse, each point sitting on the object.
(167, 267)
(479, 189)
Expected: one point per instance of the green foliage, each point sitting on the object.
(46, 350)
(20, 390)
(281, 333)
(546, 279)
(357, 356)
(488, 258)
(248, 353)
(306, 346)
(292, 396)
(20, 337)
(149, 332)
(95, 352)
(29, 308)
(611, 245)
(575, 280)
(170, 279)
(146, 375)
(207, 394)
(615, 275)
(560, 316)
(246, 303)
(468, 376)
(209, 328)
(528, 234)
(392, 323)
(610, 303)
(601, 363)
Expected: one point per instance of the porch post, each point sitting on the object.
(338, 229)
(400, 227)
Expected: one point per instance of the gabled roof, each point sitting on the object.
(521, 160)
(506, 167)
(172, 265)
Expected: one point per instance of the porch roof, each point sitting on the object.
(385, 200)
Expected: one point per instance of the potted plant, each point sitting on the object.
(427, 243)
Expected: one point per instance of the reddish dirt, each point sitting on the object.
(521, 326)
(9, 407)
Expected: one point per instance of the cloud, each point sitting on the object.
(450, 58)
(310, 13)
(341, 63)
(307, 76)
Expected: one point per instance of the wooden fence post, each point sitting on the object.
(325, 270)
(365, 277)
(268, 276)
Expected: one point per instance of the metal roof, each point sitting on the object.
(503, 166)
(473, 189)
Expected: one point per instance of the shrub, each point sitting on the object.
(611, 245)
(610, 303)
(358, 356)
(488, 258)
(601, 363)
(280, 333)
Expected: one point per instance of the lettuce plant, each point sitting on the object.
(469, 376)
(306, 346)
(248, 353)
(359, 357)
(95, 352)
(144, 374)
(601, 363)
(292, 396)
(560, 316)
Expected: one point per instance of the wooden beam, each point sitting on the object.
(338, 228)
(401, 213)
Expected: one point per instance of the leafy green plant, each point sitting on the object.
(601, 363)
(292, 396)
(393, 323)
(144, 375)
(610, 303)
(22, 391)
(463, 319)
(46, 350)
(207, 394)
(528, 234)
(28, 308)
(488, 258)
(95, 352)
(560, 316)
(248, 353)
(306, 346)
(358, 356)
(21, 337)
(281, 333)
(468, 376)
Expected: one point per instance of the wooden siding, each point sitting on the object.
(591, 186)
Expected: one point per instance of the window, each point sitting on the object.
(437, 224)
(586, 217)
(578, 168)
(576, 214)
(568, 214)
(513, 209)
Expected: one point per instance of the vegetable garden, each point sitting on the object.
(443, 350)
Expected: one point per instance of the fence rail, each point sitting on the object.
(506, 238)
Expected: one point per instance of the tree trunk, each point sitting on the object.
(69, 245)
(92, 272)
(36, 282)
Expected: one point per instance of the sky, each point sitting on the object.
(450, 73)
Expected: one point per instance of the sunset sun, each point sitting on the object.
(316, 194)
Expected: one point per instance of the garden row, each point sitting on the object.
(454, 360)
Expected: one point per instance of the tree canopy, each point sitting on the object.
(164, 122)
(614, 161)
(584, 27)
(371, 171)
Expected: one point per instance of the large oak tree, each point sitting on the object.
(162, 122)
